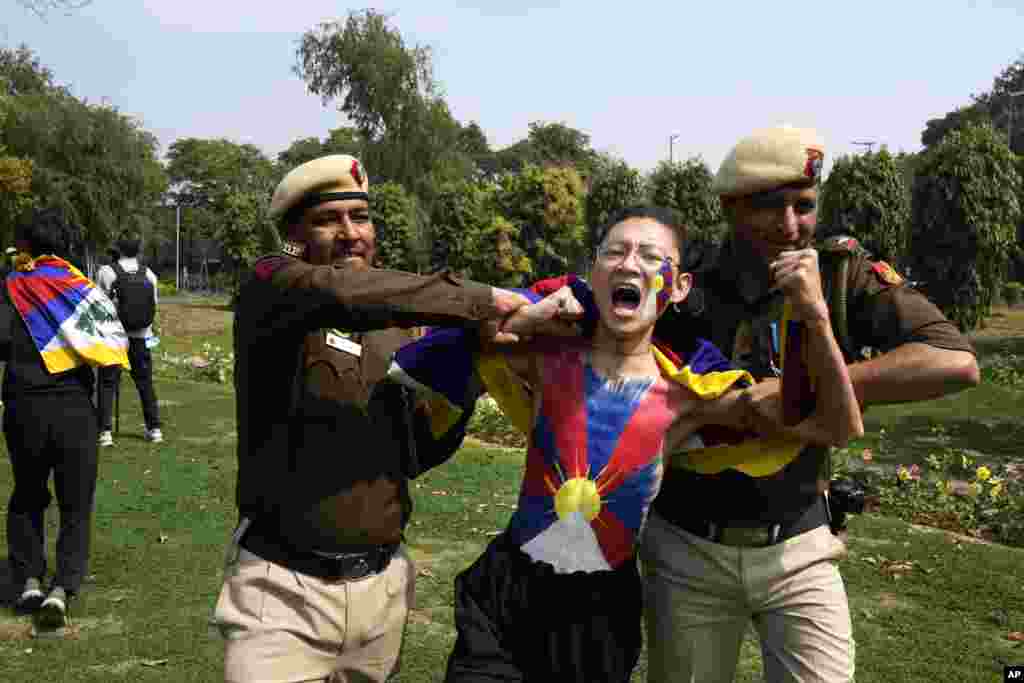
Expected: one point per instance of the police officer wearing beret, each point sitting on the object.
(318, 585)
(726, 549)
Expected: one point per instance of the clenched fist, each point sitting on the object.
(796, 274)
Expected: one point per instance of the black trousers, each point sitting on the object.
(141, 361)
(51, 432)
(518, 620)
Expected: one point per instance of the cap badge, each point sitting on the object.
(815, 158)
(357, 173)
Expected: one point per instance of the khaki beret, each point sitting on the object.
(336, 176)
(770, 158)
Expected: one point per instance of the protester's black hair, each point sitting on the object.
(667, 216)
(46, 231)
(129, 246)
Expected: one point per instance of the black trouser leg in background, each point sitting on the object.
(107, 379)
(142, 373)
(51, 432)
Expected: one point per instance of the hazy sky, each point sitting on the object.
(628, 73)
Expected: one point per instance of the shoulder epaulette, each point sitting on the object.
(841, 244)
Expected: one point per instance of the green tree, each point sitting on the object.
(344, 140)
(686, 187)
(997, 106)
(399, 234)
(95, 163)
(388, 91)
(613, 187)
(864, 196)
(224, 189)
(965, 214)
(461, 210)
(549, 144)
(546, 206)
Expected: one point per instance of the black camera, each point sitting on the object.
(845, 496)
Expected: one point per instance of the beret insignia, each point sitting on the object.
(815, 157)
(886, 274)
(357, 173)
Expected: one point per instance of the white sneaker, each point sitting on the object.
(154, 435)
(31, 597)
(54, 610)
(106, 439)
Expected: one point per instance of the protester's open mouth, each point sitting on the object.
(626, 297)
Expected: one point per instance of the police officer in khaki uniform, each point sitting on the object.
(727, 549)
(318, 586)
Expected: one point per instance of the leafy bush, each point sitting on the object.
(864, 196)
(686, 186)
(1013, 293)
(951, 491)
(490, 424)
(165, 288)
(1006, 369)
(966, 208)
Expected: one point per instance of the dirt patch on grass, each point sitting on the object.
(192, 319)
(891, 601)
(1005, 322)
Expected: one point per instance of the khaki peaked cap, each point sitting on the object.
(770, 158)
(336, 176)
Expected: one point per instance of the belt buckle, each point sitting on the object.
(347, 566)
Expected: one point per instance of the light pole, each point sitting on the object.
(671, 138)
(1009, 121)
(177, 247)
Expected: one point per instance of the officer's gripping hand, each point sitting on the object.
(796, 274)
(555, 315)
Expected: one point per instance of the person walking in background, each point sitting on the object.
(133, 287)
(55, 325)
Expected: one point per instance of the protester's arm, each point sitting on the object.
(151, 276)
(105, 279)
(298, 296)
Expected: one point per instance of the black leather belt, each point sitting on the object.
(756, 534)
(354, 563)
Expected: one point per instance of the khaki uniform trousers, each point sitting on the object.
(281, 626)
(700, 597)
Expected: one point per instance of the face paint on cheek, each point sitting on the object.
(664, 293)
(659, 289)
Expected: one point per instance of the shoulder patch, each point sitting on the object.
(266, 267)
(886, 273)
(841, 243)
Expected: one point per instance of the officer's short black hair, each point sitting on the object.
(667, 216)
(47, 231)
(129, 246)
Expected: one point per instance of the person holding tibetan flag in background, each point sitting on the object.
(558, 596)
(56, 325)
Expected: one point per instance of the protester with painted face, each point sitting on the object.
(318, 585)
(557, 596)
(731, 546)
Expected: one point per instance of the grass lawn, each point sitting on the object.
(926, 606)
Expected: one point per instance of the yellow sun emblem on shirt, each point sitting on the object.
(578, 495)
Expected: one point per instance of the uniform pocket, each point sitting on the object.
(283, 595)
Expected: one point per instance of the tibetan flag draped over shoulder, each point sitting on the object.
(70, 319)
(447, 365)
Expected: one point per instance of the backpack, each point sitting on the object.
(135, 298)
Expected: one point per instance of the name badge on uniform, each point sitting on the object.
(336, 339)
